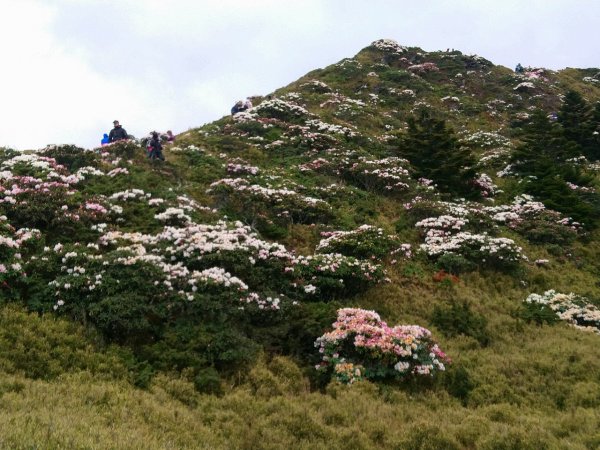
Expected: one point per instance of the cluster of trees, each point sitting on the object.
(435, 153)
(547, 158)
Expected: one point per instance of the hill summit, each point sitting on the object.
(397, 250)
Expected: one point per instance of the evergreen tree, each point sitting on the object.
(593, 151)
(544, 148)
(543, 158)
(573, 117)
(579, 122)
(433, 150)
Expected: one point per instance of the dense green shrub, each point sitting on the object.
(455, 264)
(71, 156)
(458, 318)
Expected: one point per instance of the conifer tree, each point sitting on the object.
(433, 150)
(593, 151)
(579, 122)
(574, 117)
(543, 158)
(544, 147)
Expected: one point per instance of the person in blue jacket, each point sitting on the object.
(104, 140)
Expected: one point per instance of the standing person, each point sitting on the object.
(155, 147)
(118, 133)
(104, 140)
(170, 136)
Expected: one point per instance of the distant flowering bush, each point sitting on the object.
(316, 86)
(423, 68)
(534, 221)
(388, 175)
(572, 308)
(364, 242)
(485, 185)
(361, 346)
(389, 45)
(485, 139)
(279, 109)
(481, 249)
(280, 204)
(524, 86)
(15, 245)
(332, 275)
(240, 167)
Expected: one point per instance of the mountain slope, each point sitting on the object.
(191, 293)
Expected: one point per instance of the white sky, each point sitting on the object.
(70, 67)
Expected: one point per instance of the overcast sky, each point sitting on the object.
(70, 67)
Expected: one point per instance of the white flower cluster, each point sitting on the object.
(503, 248)
(389, 45)
(524, 86)
(571, 308)
(486, 139)
(173, 214)
(130, 194)
(273, 195)
(316, 85)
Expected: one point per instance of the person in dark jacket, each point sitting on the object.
(238, 107)
(155, 147)
(118, 133)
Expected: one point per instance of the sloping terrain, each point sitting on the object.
(399, 250)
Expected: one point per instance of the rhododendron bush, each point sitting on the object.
(366, 241)
(572, 308)
(259, 204)
(361, 346)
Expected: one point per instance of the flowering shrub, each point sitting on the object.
(389, 45)
(485, 139)
(361, 345)
(534, 221)
(365, 242)
(572, 308)
(485, 184)
(423, 68)
(240, 167)
(255, 202)
(14, 246)
(481, 249)
(127, 148)
(71, 156)
(524, 86)
(280, 109)
(330, 275)
(316, 86)
(387, 175)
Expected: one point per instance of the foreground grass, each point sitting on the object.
(79, 411)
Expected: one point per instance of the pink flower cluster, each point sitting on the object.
(377, 347)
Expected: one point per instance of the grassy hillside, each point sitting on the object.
(441, 210)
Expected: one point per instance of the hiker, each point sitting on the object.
(519, 68)
(155, 147)
(170, 136)
(247, 104)
(118, 133)
(104, 140)
(238, 107)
